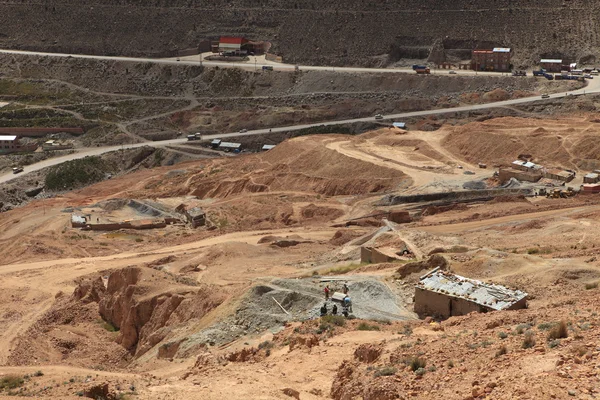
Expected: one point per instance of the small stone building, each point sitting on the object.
(196, 217)
(442, 294)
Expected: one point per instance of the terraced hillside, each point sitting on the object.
(350, 32)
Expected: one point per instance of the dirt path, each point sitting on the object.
(468, 226)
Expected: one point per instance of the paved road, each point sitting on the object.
(245, 65)
(593, 87)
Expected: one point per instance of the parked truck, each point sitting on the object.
(267, 68)
(542, 72)
(422, 71)
(417, 66)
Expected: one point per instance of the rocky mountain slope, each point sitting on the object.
(308, 31)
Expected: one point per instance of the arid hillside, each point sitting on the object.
(308, 31)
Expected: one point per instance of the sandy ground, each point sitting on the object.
(296, 194)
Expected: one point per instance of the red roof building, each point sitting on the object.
(236, 44)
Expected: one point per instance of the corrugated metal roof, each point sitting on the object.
(501, 50)
(230, 145)
(486, 294)
(550, 61)
(400, 125)
(268, 146)
(215, 141)
(78, 219)
(8, 137)
(591, 175)
(519, 162)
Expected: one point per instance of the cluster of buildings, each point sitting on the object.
(232, 147)
(13, 144)
(527, 171)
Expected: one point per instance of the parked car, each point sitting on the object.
(545, 96)
(378, 116)
(243, 130)
(16, 170)
(452, 72)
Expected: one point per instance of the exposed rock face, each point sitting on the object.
(89, 291)
(144, 312)
(350, 383)
(368, 353)
(434, 261)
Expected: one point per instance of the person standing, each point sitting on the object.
(345, 288)
(334, 310)
(326, 290)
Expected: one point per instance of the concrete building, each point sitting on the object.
(442, 294)
(504, 175)
(551, 65)
(399, 125)
(196, 217)
(559, 175)
(9, 144)
(267, 147)
(496, 59)
(592, 177)
(51, 145)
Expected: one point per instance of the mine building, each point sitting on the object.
(559, 175)
(442, 294)
(496, 59)
(551, 65)
(592, 177)
(230, 146)
(233, 45)
(9, 144)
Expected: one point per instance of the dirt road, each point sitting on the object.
(469, 226)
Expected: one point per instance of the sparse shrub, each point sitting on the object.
(522, 328)
(559, 331)
(529, 340)
(501, 350)
(38, 373)
(450, 364)
(337, 320)
(109, 327)
(420, 372)
(433, 368)
(407, 330)
(72, 380)
(363, 326)
(486, 343)
(11, 382)
(139, 240)
(386, 371)
(502, 335)
(267, 344)
(533, 250)
(589, 286)
(545, 326)
(416, 363)
(553, 343)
